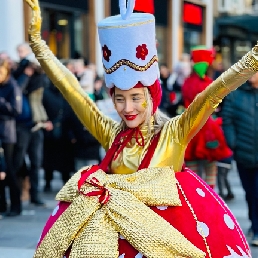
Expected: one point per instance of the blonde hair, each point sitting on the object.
(5, 64)
(159, 117)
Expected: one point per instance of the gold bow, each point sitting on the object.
(93, 229)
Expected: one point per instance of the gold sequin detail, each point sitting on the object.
(93, 228)
(138, 68)
(144, 104)
(251, 62)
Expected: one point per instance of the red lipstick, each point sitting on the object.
(130, 117)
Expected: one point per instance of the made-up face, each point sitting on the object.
(131, 106)
(3, 74)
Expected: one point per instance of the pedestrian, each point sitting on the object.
(209, 144)
(240, 124)
(224, 187)
(137, 202)
(2, 183)
(85, 76)
(30, 123)
(10, 107)
(58, 151)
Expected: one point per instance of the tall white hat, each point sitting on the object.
(128, 44)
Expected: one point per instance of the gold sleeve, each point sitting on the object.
(192, 120)
(100, 126)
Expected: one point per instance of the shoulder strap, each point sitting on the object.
(150, 152)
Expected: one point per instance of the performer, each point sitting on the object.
(134, 204)
(209, 145)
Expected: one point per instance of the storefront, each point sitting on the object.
(193, 24)
(234, 36)
(65, 27)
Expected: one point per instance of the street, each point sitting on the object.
(19, 235)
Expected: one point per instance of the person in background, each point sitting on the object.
(2, 183)
(58, 150)
(85, 76)
(218, 69)
(209, 145)
(240, 125)
(10, 108)
(4, 56)
(25, 54)
(166, 87)
(30, 124)
(224, 187)
(86, 147)
(182, 70)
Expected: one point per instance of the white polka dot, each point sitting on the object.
(203, 229)
(55, 210)
(229, 222)
(162, 208)
(200, 192)
(64, 257)
(121, 237)
(139, 255)
(122, 255)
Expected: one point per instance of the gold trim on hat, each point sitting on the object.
(138, 68)
(126, 25)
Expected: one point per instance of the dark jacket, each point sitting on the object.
(240, 124)
(58, 148)
(86, 146)
(10, 107)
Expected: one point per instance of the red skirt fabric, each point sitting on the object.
(203, 213)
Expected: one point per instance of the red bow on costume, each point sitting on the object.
(103, 192)
(118, 145)
(113, 153)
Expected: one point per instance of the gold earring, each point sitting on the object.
(144, 104)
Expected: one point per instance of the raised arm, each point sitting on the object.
(192, 120)
(100, 126)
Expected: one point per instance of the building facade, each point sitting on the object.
(69, 26)
(235, 28)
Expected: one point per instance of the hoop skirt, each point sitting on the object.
(204, 219)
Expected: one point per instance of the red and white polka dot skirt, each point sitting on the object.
(204, 219)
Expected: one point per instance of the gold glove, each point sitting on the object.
(93, 228)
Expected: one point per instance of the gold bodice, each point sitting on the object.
(175, 134)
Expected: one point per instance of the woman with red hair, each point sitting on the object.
(137, 202)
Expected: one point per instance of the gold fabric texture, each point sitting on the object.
(93, 228)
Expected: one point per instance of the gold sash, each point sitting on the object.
(93, 229)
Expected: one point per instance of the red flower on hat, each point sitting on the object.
(106, 53)
(142, 51)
